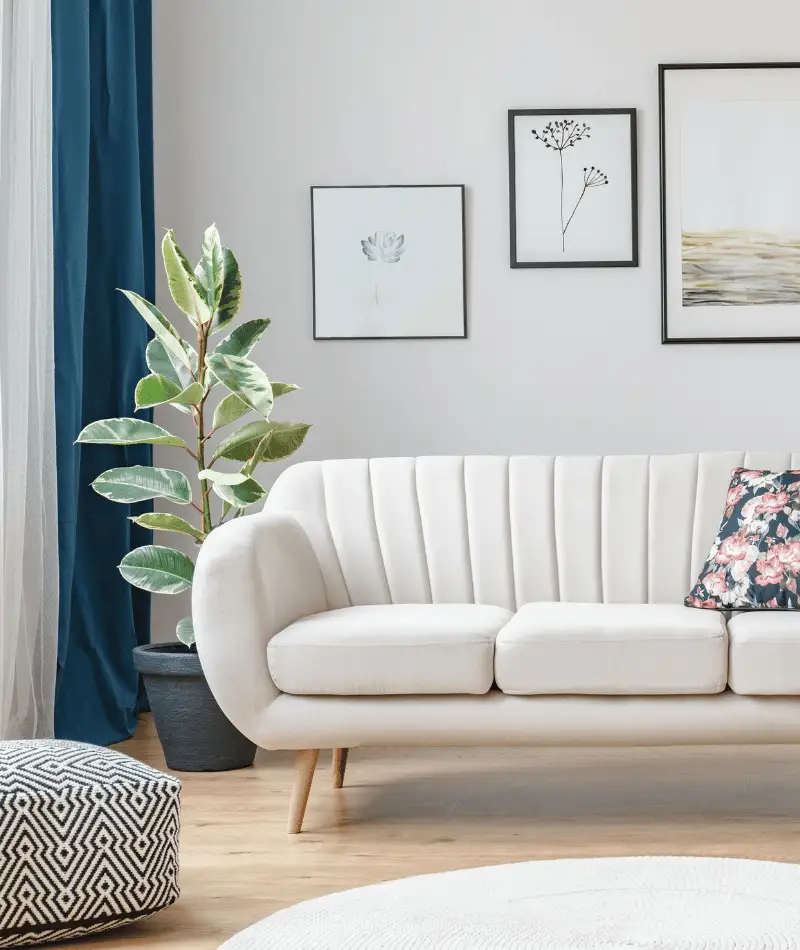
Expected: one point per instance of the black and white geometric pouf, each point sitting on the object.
(88, 840)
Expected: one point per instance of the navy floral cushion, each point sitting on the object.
(755, 559)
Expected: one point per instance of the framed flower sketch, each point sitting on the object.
(572, 187)
(730, 193)
(388, 262)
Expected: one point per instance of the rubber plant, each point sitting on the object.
(185, 376)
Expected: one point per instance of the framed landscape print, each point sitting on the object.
(730, 202)
(572, 187)
(388, 262)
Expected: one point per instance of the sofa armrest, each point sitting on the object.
(254, 576)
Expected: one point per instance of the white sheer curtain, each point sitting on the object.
(28, 516)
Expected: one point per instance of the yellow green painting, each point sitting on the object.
(740, 267)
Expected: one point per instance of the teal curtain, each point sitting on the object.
(103, 238)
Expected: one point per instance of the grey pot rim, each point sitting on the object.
(166, 659)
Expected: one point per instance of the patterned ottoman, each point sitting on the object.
(88, 840)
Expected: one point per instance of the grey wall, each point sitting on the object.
(257, 99)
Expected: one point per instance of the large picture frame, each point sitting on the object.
(572, 184)
(389, 262)
(729, 158)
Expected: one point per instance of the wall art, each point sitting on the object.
(388, 262)
(730, 194)
(572, 187)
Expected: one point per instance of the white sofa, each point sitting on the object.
(481, 600)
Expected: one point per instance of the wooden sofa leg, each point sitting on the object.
(339, 766)
(305, 761)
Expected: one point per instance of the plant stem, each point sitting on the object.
(563, 229)
(202, 342)
(573, 211)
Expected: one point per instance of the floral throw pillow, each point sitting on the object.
(755, 560)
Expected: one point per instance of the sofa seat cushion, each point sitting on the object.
(765, 653)
(612, 649)
(396, 649)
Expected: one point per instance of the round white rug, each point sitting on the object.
(595, 904)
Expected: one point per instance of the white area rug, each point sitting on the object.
(597, 904)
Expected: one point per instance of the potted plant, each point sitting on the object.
(194, 732)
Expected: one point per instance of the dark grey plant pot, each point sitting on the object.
(194, 731)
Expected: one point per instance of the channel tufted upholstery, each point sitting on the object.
(509, 531)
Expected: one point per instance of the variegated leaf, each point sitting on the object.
(240, 342)
(231, 298)
(210, 272)
(162, 328)
(127, 432)
(141, 483)
(285, 438)
(158, 569)
(244, 378)
(244, 493)
(184, 631)
(183, 285)
(229, 410)
(162, 521)
(222, 478)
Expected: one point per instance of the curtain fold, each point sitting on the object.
(103, 238)
(28, 548)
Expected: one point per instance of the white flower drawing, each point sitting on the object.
(384, 246)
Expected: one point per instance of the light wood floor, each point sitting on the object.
(405, 812)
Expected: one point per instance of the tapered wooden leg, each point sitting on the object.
(305, 761)
(339, 766)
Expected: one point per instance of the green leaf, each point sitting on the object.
(240, 342)
(127, 432)
(158, 569)
(184, 631)
(210, 272)
(229, 410)
(245, 379)
(280, 389)
(142, 482)
(159, 363)
(222, 478)
(240, 495)
(160, 521)
(163, 329)
(190, 396)
(188, 296)
(154, 390)
(285, 439)
(258, 456)
(231, 292)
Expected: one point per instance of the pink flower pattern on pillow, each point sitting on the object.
(754, 562)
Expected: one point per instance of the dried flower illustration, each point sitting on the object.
(385, 247)
(559, 135)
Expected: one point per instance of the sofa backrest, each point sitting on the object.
(507, 531)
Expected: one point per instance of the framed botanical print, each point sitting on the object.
(388, 262)
(572, 187)
(730, 202)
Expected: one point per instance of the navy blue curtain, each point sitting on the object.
(103, 238)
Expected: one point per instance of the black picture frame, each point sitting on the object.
(459, 336)
(512, 197)
(663, 69)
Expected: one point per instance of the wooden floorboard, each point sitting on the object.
(405, 812)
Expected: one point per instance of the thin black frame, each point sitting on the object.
(512, 189)
(662, 71)
(461, 336)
